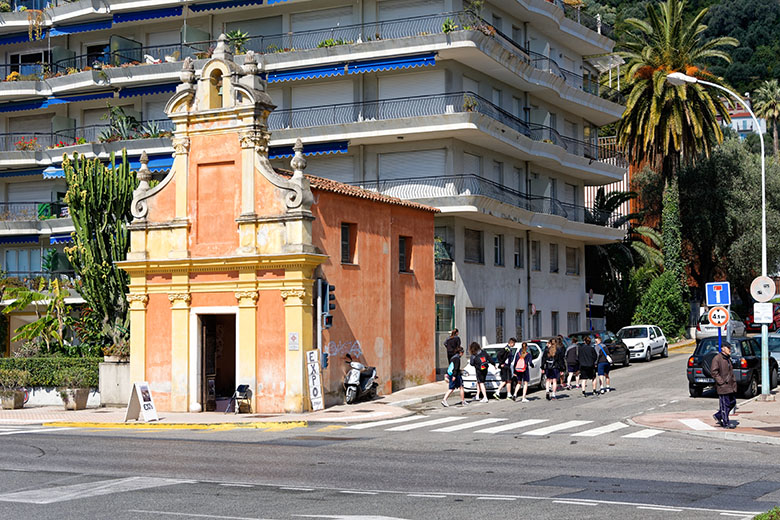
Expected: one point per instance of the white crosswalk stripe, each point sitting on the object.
(512, 426)
(433, 422)
(609, 428)
(386, 422)
(467, 425)
(643, 434)
(557, 427)
(32, 430)
(696, 424)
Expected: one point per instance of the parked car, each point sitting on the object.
(774, 346)
(615, 346)
(644, 341)
(493, 379)
(745, 358)
(756, 327)
(706, 330)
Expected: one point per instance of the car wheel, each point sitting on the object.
(541, 381)
(627, 358)
(773, 378)
(695, 391)
(665, 352)
(648, 355)
(751, 390)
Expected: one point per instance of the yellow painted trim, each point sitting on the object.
(272, 426)
(195, 265)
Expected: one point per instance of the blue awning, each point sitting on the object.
(20, 239)
(147, 15)
(147, 91)
(278, 152)
(224, 5)
(20, 173)
(14, 38)
(157, 163)
(22, 105)
(62, 30)
(60, 239)
(52, 172)
(397, 62)
(322, 71)
(272, 2)
(71, 99)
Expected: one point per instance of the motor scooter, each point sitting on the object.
(359, 381)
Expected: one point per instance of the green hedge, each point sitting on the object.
(48, 371)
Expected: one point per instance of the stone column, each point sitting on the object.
(298, 319)
(247, 342)
(137, 303)
(180, 351)
(180, 228)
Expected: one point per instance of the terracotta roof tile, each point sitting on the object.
(321, 183)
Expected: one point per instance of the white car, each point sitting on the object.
(644, 341)
(493, 379)
(704, 329)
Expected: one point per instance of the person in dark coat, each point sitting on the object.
(726, 385)
(587, 358)
(504, 359)
(452, 343)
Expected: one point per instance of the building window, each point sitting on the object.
(472, 163)
(405, 254)
(498, 172)
(473, 251)
(519, 262)
(553, 258)
(536, 256)
(474, 321)
(498, 250)
(22, 262)
(443, 253)
(519, 324)
(572, 322)
(554, 322)
(348, 238)
(500, 325)
(536, 323)
(572, 260)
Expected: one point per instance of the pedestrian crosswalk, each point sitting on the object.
(495, 425)
(20, 430)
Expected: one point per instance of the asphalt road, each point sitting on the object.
(574, 457)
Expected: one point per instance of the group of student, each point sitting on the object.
(587, 361)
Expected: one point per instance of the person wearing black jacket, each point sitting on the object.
(552, 361)
(587, 358)
(452, 343)
(603, 366)
(573, 365)
(480, 361)
(454, 378)
(503, 359)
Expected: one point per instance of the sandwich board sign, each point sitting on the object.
(315, 380)
(141, 403)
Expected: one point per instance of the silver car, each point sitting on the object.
(644, 341)
(774, 346)
(704, 329)
(493, 379)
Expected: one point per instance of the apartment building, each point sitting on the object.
(493, 118)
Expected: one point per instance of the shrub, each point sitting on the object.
(13, 379)
(48, 371)
(662, 305)
(74, 377)
(772, 514)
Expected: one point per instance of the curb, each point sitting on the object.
(279, 425)
(723, 435)
(417, 400)
(684, 345)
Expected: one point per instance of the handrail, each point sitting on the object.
(433, 187)
(21, 211)
(34, 141)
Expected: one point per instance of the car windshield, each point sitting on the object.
(774, 344)
(704, 319)
(632, 332)
(493, 352)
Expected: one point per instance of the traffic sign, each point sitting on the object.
(762, 289)
(719, 316)
(762, 313)
(718, 293)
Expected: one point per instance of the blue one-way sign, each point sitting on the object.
(718, 293)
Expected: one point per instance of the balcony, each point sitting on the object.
(431, 188)
(32, 280)
(433, 105)
(26, 211)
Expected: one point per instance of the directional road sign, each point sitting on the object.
(719, 316)
(718, 293)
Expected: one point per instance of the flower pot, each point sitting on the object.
(12, 400)
(115, 359)
(74, 398)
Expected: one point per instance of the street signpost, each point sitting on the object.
(762, 289)
(719, 316)
(719, 294)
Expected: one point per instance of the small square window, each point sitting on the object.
(473, 249)
(405, 254)
(498, 250)
(572, 260)
(553, 258)
(536, 256)
(519, 260)
(348, 242)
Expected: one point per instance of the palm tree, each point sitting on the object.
(664, 124)
(767, 105)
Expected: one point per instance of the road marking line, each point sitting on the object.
(736, 514)
(510, 499)
(386, 422)
(16, 432)
(331, 427)
(427, 496)
(370, 415)
(86, 490)
(296, 489)
(643, 434)
(696, 424)
(556, 427)
(465, 426)
(228, 484)
(601, 430)
(194, 515)
(407, 427)
(349, 492)
(512, 426)
(655, 508)
(572, 502)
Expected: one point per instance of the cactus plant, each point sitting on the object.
(99, 198)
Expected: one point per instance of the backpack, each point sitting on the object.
(451, 368)
(520, 365)
(549, 362)
(482, 360)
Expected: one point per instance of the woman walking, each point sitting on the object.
(604, 364)
(522, 373)
(480, 361)
(454, 378)
(550, 365)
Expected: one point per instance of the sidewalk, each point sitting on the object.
(756, 420)
(386, 407)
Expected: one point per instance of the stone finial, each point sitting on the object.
(222, 51)
(187, 74)
(144, 174)
(250, 63)
(298, 163)
(139, 208)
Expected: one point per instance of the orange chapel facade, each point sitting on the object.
(225, 252)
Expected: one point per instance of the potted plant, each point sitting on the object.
(12, 388)
(74, 389)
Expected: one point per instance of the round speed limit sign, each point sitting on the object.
(719, 316)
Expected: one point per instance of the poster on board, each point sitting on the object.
(315, 380)
(141, 403)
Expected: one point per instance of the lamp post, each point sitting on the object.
(678, 78)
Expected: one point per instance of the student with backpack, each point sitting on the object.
(587, 358)
(480, 360)
(573, 365)
(454, 378)
(521, 366)
(550, 363)
(504, 358)
(604, 364)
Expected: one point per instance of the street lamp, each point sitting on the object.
(678, 78)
